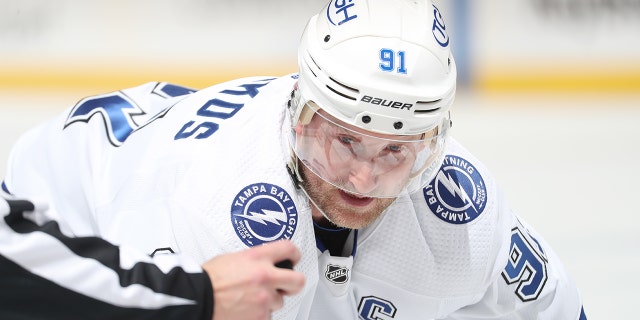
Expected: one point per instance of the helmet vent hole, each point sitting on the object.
(314, 63)
(310, 69)
(344, 86)
(341, 94)
(427, 106)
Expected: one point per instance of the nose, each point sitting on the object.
(361, 177)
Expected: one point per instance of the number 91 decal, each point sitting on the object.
(389, 60)
(526, 266)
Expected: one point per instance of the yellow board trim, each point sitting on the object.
(105, 78)
(487, 80)
(576, 78)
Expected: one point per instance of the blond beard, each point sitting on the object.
(323, 195)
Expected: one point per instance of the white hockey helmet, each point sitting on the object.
(381, 66)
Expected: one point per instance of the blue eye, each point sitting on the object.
(345, 140)
(394, 148)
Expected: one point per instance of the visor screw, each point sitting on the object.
(366, 119)
(398, 125)
(327, 38)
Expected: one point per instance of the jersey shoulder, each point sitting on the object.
(462, 225)
(462, 191)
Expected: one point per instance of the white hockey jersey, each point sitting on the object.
(160, 168)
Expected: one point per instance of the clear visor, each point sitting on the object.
(365, 163)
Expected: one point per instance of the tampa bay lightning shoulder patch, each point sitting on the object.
(458, 193)
(263, 212)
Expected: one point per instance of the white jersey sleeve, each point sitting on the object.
(46, 274)
(533, 285)
(59, 160)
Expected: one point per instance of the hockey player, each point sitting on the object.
(350, 159)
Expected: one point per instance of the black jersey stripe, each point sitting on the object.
(177, 282)
(24, 295)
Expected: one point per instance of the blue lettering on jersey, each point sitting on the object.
(339, 12)
(219, 108)
(527, 266)
(583, 316)
(169, 90)
(374, 308)
(438, 29)
(263, 212)
(117, 111)
(457, 194)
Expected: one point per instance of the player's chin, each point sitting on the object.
(356, 213)
(353, 220)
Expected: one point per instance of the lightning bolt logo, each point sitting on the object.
(263, 212)
(458, 193)
(455, 189)
(274, 217)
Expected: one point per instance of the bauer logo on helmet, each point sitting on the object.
(387, 103)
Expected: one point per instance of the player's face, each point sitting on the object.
(359, 162)
(350, 174)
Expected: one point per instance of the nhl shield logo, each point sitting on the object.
(262, 213)
(337, 274)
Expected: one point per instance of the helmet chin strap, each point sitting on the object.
(294, 173)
